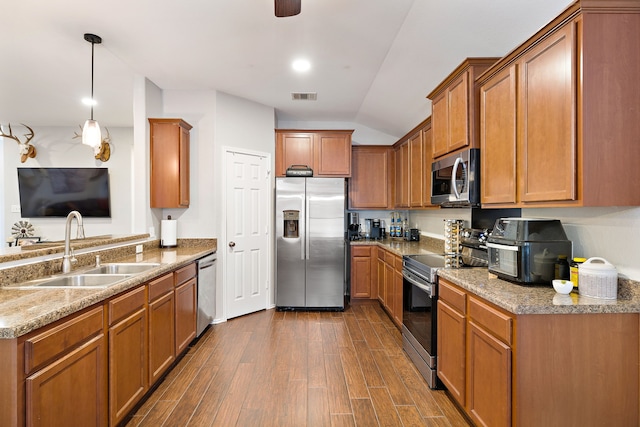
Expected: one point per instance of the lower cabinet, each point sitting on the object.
(66, 373)
(364, 268)
(162, 336)
(474, 355)
(128, 352)
(390, 284)
(93, 367)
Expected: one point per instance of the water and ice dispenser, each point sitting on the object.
(291, 223)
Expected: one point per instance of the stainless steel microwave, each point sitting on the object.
(455, 179)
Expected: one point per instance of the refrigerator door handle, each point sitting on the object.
(307, 227)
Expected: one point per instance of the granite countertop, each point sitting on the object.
(24, 310)
(540, 299)
(401, 247)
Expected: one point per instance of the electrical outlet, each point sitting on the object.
(138, 249)
(15, 208)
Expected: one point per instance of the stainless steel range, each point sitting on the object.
(419, 323)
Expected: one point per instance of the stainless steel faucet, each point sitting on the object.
(68, 257)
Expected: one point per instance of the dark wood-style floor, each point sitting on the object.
(298, 369)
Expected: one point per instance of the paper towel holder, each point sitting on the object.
(168, 233)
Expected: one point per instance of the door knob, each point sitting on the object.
(232, 244)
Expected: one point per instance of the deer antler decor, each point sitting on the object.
(26, 149)
(102, 151)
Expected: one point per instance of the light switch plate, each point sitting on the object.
(15, 208)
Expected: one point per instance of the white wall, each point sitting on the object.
(56, 148)
(362, 135)
(611, 233)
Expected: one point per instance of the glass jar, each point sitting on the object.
(562, 268)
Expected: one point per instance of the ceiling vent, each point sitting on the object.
(304, 96)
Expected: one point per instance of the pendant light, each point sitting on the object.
(91, 135)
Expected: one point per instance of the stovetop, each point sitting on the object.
(425, 265)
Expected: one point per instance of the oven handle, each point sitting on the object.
(427, 288)
(505, 247)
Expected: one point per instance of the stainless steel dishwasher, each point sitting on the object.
(206, 292)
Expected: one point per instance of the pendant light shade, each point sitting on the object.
(91, 135)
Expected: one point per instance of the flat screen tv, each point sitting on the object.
(54, 192)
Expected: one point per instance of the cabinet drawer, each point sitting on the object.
(160, 286)
(52, 343)
(494, 321)
(126, 304)
(398, 261)
(455, 297)
(185, 273)
(364, 251)
(381, 254)
(389, 258)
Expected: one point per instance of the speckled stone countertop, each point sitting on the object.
(540, 299)
(24, 310)
(401, 247)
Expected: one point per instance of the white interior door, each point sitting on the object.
(247, 213)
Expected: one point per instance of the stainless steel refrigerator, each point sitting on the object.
(310, 246)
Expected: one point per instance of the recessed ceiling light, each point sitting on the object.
(89, 101)
(301, 65)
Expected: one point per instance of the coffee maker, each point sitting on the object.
(376, 229)
(353, 229)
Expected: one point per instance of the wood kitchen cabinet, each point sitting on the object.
(162, 348)
(474, 355)
(390, 284)
(427, 160)
(402, 175)
(455, 109)
(128, 352)
(169, 147)
(328, 153)
(364, 269)
(66, 370)
(186, 306)
(372, 182)
(558, 113)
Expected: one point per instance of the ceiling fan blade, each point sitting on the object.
(286, 8)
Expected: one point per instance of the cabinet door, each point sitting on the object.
(416, 170)
(546, 119)
(427, 159)
(397, 293)
(70, 391)
(369, 182)
(169, 148)
(161, 335)
(293, 149)
(451, 350)
(458, 100)
(402, 176)
(440, 125)
(186, 311)
(361, 271)
(489, 400)
(333, 154)
(381, 278)
(127, 364)
(498, 137)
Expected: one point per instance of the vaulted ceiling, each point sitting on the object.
(373, 61)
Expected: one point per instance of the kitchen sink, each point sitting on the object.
(123, 268)
(74, 281)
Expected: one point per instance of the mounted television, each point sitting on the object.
(54, 192)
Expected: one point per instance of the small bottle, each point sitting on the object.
(573, 268)
(405, 229)
(562, 268)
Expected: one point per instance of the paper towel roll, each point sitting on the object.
(168, 233)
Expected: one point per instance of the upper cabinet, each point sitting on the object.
(372, 182)
(559, 118)
(169, 146)
(413, 167)
(454, 111)
(328, 153)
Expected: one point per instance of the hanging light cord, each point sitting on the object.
(92, 101)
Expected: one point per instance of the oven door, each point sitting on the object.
(419, 315)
